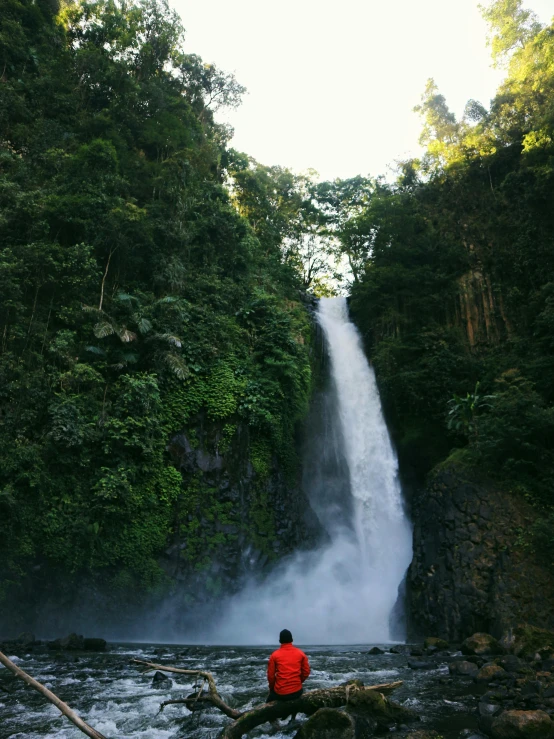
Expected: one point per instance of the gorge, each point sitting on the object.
(176, 438)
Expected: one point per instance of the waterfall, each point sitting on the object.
(346, 591)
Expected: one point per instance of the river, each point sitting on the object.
(110, 693)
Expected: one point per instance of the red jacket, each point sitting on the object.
(287, 669)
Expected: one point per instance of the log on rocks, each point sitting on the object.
(63, 707)
(308, 703)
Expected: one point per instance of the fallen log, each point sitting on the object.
(63, 707)
(245, 721)
(308, 703)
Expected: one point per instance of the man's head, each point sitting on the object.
(285, 637)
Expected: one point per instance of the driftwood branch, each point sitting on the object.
(63, 707)
(245, 721)
(212, 696)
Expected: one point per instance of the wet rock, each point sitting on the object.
(376, 650)
(549, 692)
(70, 642)
(415, 664)
(328, 723)
(530, 640)
(488, 709)
(416, 652)
(95, 644)
(522, 725)
(159, 678)
(463, 667)
(490, 672)
(400, 649)
(481, 643)
(434, 641)
(509, 662)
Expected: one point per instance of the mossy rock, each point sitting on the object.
(530, 639)
(523, 725)
(328, 723)
(434, 641)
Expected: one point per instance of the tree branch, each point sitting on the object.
(245, 721)
(63, 707)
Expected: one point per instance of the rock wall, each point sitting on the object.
(241, 511)
(471, 571)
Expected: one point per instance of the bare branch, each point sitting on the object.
(63, 707)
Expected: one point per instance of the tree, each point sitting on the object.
(511, 27)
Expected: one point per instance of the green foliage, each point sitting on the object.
(137, 298)
(454, 290)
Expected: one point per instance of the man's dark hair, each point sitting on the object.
(285, 637)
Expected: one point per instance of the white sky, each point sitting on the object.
(331, 85)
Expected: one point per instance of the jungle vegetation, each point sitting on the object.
(150, 274)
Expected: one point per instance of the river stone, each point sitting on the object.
(463, 667)
(490, 672)
(509, 662)
(434, 641)
(328, 723)
(376, 650)
(523, 725)
(159, 677)
(481, 644)
(70, 642)
(415, 664)
(400, 649)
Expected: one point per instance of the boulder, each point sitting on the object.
(481, 643)
(522, 725)
(462, 667)
(70, 642)
(95, 644)
(434, 641)
(376, 650)
(159, 677)
(374, 708)
(530, 640)
(25, 639)
(416, 664)
(400, 649)
(510, 662)
(328, 723)
(490, 672)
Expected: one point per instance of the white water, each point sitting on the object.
(345, 592)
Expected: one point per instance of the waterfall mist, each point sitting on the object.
(346, 591)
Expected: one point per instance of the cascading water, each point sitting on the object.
(346, 591)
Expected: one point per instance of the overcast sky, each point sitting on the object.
(331, 85)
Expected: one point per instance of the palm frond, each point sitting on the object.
(171, 339)
(177, 365)
(95, 350)
(103, 329)
(144, 325)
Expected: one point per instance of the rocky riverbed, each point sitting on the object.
(480, 688)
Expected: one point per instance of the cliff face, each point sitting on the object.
(479, 309)
(469, 572)
(242, 511)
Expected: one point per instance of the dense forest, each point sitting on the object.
(153, 279)
(455, 286)
(137, 295)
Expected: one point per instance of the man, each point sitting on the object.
(287, 669)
